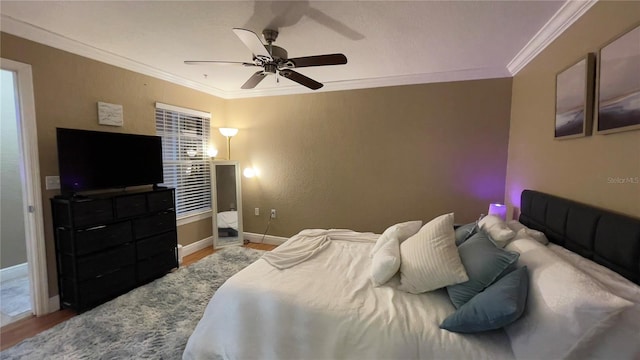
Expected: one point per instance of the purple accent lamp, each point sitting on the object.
(499, 210)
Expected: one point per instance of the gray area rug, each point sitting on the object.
(151, 322)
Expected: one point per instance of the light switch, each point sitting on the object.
(52, 182)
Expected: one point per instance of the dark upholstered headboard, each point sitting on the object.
(609, 239)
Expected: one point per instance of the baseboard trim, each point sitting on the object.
(252, 237)
(54, 304)
(196, 246)
(268, 239)
(14, 272)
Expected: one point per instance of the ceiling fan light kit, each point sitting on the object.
(274, 60)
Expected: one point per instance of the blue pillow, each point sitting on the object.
(484, 263)
(497, 306)
(464, 232)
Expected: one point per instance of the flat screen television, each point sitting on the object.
(94, 160)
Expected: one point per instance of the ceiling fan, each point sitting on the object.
(273, 60)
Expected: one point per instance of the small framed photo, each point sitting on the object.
(110, 114)
(619, 84)
(574, 99)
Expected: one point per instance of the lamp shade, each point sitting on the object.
(498, 210)
(212, 152)
(228, 132)
(249, 172)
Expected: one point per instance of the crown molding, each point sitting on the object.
(414, 79)
(570, 11)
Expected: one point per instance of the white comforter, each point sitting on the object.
(228, 219)
(307, 243)
(327, 308)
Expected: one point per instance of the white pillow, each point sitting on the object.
(430, 259)
(623, 337)
(386, 262)
(565, 307)
(497, 229)
(400, 231)
(518, 227)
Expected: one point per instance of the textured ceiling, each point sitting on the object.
(386, 42)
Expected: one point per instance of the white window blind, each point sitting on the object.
(185, 138)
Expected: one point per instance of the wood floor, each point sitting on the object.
(31, 326)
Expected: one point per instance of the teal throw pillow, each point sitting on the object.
(465, 231)
(497, 306)
(484, 263)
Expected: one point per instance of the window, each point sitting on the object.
(185, 139)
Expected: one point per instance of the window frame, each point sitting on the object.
(180, 128)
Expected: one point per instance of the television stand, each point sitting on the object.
(109, 243)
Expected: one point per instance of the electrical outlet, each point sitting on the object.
(52, 182)
(256, 211)
(273, 213)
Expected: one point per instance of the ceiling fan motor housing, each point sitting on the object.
(279, 56)
(270, 68)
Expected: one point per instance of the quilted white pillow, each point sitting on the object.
(386, 262)
(497, 229)
(430, 259)
(400, 231)
(565, 307)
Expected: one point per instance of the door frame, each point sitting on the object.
(31, 189)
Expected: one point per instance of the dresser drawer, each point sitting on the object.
(92, 212)
(156, 266)
(128, 206)
(106, 286)
(153, 225)
(105, 262)
(156, 244)
(95, 239)
(160, 200)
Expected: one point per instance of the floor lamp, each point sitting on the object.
(228, 133)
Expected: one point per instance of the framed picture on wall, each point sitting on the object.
(574, 99)
(619, 84)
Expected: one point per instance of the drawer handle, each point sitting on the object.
(97, 227)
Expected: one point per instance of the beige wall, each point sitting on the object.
(67, 88)
(366, 159)
(577, 169)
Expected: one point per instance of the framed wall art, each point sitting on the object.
(110, 114)
(619, 84)
(574, 99)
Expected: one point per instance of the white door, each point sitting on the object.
(21, 215)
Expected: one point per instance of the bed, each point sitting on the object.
(325, 306)
(227, 222)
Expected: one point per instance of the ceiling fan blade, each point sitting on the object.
(254, 80)
(301, 79)
(253, 42)
(318, 60)
(202, 62)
